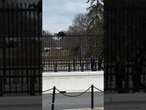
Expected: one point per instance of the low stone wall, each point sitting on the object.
(72, 81)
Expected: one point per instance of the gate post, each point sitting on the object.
(82, 66)
(69, 68)
(55, 67)
(53, 98)
(1, 87)
(74, 65)
(32, 85)
(92, 97)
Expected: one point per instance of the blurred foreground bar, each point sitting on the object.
(125, 51)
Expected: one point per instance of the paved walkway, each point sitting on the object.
(99, 108)
(72, 103)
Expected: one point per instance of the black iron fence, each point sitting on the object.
(71, 65)
(125, 78)
(125, 48)
(72, 52)
(20, 48)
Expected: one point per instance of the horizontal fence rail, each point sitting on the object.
(72, 52)
(70, 65)
(125, 80)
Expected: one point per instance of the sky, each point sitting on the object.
(59, 14)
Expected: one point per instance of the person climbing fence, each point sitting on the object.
(93, 64)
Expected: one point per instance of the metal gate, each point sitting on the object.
(20, 47)
(71, 52)
(125, 49)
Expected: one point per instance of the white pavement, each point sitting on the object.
(73, 81)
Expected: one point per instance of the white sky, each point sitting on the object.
(58, 14)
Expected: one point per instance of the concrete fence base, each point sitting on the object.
(72, 81)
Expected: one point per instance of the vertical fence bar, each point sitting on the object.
(55, 66)
(4, 52)
(92, 96)
(82, 66)
(53, 98)
(69, 68)
(78, 56)
(17, 59)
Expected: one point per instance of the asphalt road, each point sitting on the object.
(63, 102)
(21, 103)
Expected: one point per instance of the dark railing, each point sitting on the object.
(125, 45)
(71, 52)
(70, 65)
(126, 79)
(20, 46)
